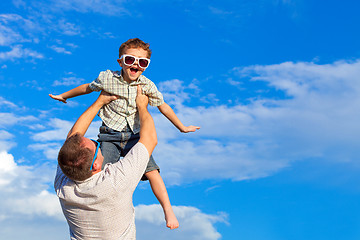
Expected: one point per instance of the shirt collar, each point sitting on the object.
(139, 81)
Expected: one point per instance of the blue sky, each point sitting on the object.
(274, 85)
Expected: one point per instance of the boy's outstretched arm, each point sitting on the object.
(169, 113)
(80, 90)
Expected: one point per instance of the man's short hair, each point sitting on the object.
(134, 43)
(75, 159)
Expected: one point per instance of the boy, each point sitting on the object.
(120, 128)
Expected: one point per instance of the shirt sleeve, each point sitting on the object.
(155, 96)
(60, 179)
(97, 84)
(131, 168)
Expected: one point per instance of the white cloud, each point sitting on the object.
(7, 167)
(61, 128)
(5, 143)
(41, 20)
(69, 81)
(194, 224)
(210, 98)
(67, 28)
(237, 84)
(22, 190)
(322, 110)
(42, 203)
(32, 84)
(72, 45)
(10, 119)
(174, 91)
(218, 11)
(301, 78)
(60, 49)
(50, 150)
(16, 29)
(21, 21)
(317, 119)
(9, 36)
(106, 7)
(216, 159)
(6, 103)
(36, 126)
(19, 52)
(5, 135)
(174, 85)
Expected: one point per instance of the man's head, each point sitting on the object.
(77, 158)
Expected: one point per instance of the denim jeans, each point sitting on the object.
(115, 144)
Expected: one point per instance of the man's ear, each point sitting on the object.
(97, 165)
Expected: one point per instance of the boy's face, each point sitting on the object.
(132, 73)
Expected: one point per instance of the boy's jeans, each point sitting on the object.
(115, 144)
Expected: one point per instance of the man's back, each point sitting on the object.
(101, 206)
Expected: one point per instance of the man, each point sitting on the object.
(97, 204)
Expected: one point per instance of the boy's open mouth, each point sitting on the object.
(134, 70)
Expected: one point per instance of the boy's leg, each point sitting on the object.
(157, 184)
(159, 190)
(110, 152)
(126, 146)
(110, 148)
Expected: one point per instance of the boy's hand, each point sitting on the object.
(58, 97)
(141, 99)
(190, 129)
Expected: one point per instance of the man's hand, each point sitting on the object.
(141, 99)
(105, 98)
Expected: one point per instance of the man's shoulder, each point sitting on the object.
(137, 151)
(60, 179)
(129, 169)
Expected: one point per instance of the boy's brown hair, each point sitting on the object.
(134, 43)
(74, 159)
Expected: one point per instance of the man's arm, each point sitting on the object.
(80, 90)
(147, 128)
(83, 122)
(169, 113)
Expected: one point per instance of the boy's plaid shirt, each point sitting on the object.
(119, 112)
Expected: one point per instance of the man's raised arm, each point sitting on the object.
(147, 128)
(84, 121)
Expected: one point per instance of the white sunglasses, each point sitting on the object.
(129, 60)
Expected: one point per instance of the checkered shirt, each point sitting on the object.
(119, 112)
(101, 207)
